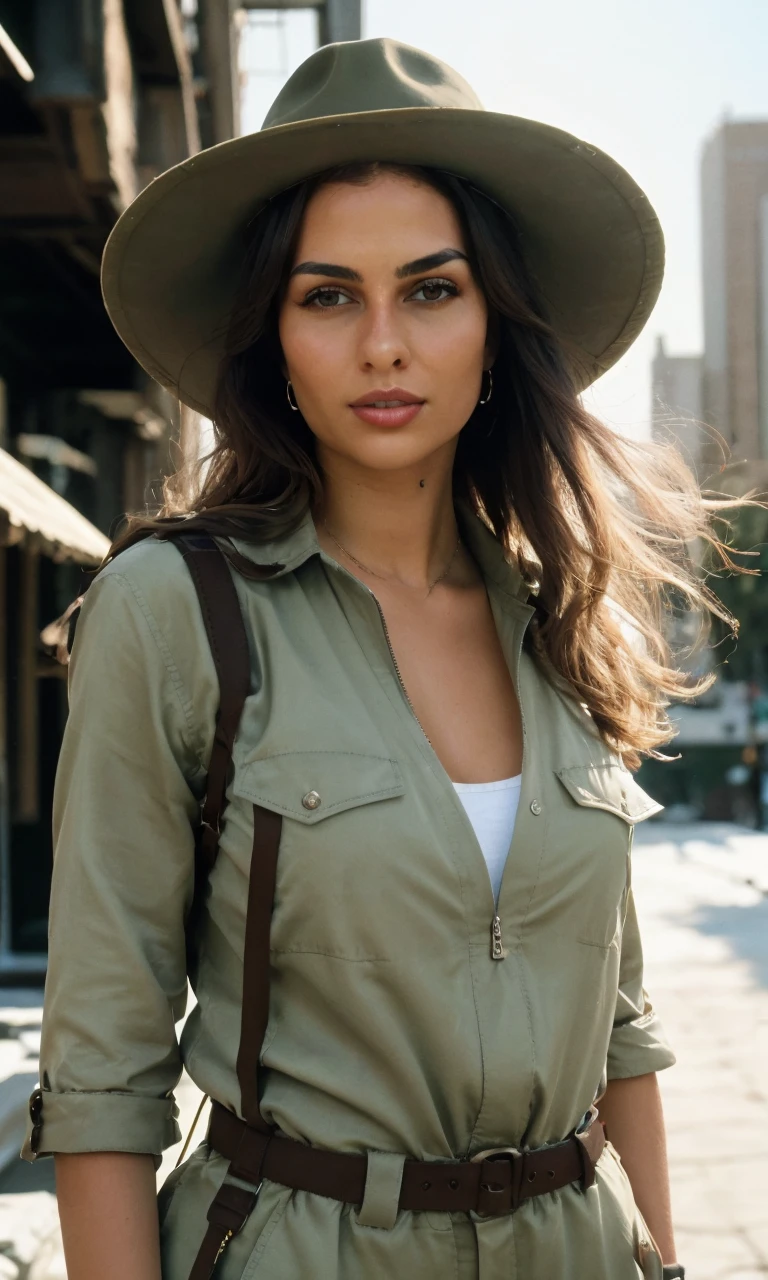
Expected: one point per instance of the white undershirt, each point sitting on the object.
(492, 809)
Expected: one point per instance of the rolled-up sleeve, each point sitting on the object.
(124, 808)
(638, 1043)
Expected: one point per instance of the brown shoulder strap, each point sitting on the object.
(255, 1013)
(229, 645)
(228, 639)
(232, 1205)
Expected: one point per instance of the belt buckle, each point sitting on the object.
(499, 1192)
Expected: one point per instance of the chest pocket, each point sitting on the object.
(309, 786)
(600, 803)
(342, 831)
(611, 788)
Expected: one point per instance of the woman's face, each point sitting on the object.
(382, 306)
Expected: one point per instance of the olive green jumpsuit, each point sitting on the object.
(392, 1029)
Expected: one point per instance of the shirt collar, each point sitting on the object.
(290, 550)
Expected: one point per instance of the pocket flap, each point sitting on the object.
(330, 780)
(609, 787)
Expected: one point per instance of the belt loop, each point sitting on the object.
(252, 1143)
(383, 1180)
(587, 1164)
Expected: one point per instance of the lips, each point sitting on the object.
(387, 407)
(386, 398)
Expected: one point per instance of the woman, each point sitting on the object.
(451, 578)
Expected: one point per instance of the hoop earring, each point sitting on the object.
(490, 387)
(288, 386)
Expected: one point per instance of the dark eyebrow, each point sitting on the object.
(414, 268)
(325, 269)
(430, 262)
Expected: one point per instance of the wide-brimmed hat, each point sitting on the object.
(589, 235)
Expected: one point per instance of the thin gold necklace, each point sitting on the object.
(381, 576)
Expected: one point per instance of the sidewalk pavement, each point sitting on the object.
(702, 895)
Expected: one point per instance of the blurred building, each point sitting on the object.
(677, 410)
(336, 19)
(734, 224)
(97, 97)
(715, 407)
(725, 389)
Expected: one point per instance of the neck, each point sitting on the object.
(398, 528)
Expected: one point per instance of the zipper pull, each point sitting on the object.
(498, 950)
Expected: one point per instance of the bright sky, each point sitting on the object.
(645, 80)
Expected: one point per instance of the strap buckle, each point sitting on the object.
(231, 1208)
(501, 1178)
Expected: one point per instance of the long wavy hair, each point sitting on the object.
(608, 527)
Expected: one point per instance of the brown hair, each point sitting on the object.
(605, 524)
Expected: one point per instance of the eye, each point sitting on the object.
(435, 290)
(325, 298)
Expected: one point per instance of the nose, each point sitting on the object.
(383, 341)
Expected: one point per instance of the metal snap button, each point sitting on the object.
(535, 808)
(311, 800)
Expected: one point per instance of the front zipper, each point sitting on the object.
(498, 950)
(395, 664)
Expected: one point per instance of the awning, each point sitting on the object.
(30, 507)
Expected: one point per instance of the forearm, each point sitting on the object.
(108, 1210)
(633, 1115)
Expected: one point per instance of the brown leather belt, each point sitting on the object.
(493, 1182)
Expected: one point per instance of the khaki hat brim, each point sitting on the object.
(589, 235)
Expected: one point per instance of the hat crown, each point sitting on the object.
(368, 75)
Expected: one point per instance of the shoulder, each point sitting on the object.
(147, 591)
(151, 570)
(141, 623)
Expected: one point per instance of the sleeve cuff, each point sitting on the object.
(638, 1047)
(108, 1121)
